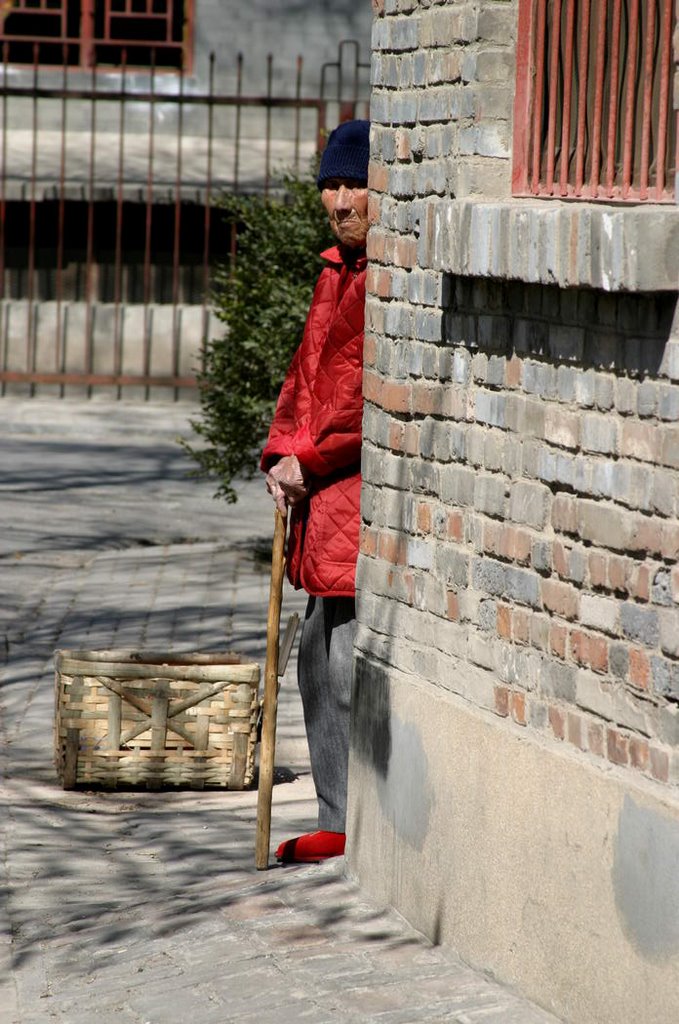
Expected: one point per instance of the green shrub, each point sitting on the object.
(262, 302)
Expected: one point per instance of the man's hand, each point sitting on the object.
(286, 482)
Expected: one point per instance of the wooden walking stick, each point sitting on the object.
(270, 704)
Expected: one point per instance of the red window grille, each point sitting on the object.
(593, 115)
(82, 33)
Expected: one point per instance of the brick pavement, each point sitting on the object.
(146, 907)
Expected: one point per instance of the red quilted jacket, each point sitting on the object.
(318, 418)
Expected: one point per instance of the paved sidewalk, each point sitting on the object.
(146, 908)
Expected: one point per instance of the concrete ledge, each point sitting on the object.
(556, 875)
(570, 244)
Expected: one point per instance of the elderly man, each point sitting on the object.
(312, 460)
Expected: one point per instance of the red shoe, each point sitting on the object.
(311, 848)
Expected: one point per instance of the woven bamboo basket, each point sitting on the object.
(155, 720)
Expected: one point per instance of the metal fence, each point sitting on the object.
(108, 228)
(593, 115)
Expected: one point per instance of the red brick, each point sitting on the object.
(669, 545)
(639, 582)
(369, 350)
(502, 701)
(647, 535)
(455, 525)
(383, 283)
(565, 514)
(513, 369)
(617, 747)
(368, 541)
(424, 517)
(374, 208)
(518, 707)
(387, 394)
(403, 148)
(378, 177)
(426, 399)
(397, 437)
(376, 245)
(598, 575)
(589, 649)
(520, 625)
(504, 621)
(557, 722)
(595, 739)
(557, 640)
(405, 251)
(660, 764)
(560, 598)
(638, 753)
(453, 606)
(515, 544)
(618, 570)
(639, 668)
(392, 548)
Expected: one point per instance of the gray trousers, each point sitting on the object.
(324, 670)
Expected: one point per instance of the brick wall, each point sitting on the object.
(521, 440)
(520, 510)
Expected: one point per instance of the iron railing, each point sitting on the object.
(593, 114)
(108, 230)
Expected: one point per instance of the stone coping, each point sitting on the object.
(570, 244)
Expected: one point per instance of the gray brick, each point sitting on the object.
(403, 33)
(599, 434)
(489, 408)
(626, 396)
(664, 492)
(457, 485)
(461, 365)
(489, 576)
(661, 589)
(489, 495)
(558, 681)
(529, 503)
(604, 391)
(618, 660)
(665, 676)
(541, 556)
(585, 388)
(523, 586)
(639, 624)
(647, 399)
(565, 383)
(451, 565)
(540, 378)
(420, 554)
(668, 402)
(488, 616)
(424, 477)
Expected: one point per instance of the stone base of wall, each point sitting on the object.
(553, 871)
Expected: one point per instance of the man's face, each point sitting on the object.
(346, 203)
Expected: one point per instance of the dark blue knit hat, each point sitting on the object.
(347, 153)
